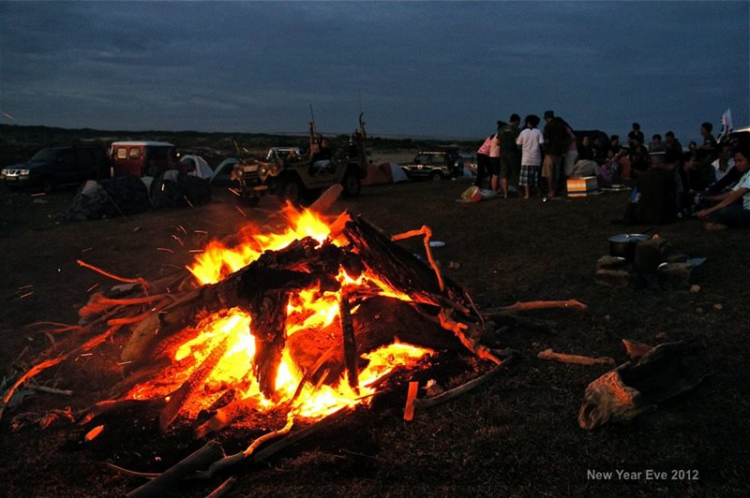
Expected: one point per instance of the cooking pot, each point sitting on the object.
(623, 245)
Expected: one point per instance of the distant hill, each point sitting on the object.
(19, 143)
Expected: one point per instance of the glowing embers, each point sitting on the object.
(215, 360)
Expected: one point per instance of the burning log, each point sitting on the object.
(350, 342)
(196, 380)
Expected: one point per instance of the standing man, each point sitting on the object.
(531, 141)
(636, 133)
(555, 145)
(510, 156)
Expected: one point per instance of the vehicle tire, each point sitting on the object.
(290, 189)
(352, 184)
(435, 176)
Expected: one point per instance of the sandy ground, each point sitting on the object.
(516, 436)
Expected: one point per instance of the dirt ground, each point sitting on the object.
(516, 436)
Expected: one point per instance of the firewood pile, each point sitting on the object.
(311, 329)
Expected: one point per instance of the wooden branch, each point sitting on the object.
(49, 390)
(133, 473)
(230, 460)
(113, 405)
(223, 488)
(453, 393)
(472, 344)
(327, 199)
(538, 305)
(411, 396)
(350, 342)
(548, 354)
(206, 455)
(196, 380)
(427, 233)
(34, 371)
(137, 280)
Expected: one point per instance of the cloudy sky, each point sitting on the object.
(448, 69)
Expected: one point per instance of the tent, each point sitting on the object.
(388, 172)
(196, 166)
(222, 173)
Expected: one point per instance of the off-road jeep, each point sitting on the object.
(291, 177)
(435, 165)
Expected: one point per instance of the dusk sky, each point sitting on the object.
(445, 69)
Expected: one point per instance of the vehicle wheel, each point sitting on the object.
(352, 184)
(435, 176)
(290, 190)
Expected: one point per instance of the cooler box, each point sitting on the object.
(582, 187)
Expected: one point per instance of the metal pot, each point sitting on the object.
(623, 245)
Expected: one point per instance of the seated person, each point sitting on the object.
(321, 159)
(732, 208)
(639, 158)
(656, 198)
(609, 172)
(724, 163)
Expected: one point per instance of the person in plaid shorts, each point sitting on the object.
(530, 140)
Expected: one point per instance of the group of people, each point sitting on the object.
(527, 158)
(709, 180)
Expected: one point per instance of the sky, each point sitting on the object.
(418, 69)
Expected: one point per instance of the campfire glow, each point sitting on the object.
(230, 331)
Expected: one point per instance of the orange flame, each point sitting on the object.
(309, 309)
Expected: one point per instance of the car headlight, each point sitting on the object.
(263, 170)
(23, 172)
(3, 172)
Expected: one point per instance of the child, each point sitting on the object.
(609, 173)
(531, 141)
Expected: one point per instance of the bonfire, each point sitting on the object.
(306, 323)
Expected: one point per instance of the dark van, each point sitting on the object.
(143, 158)
(56, 166)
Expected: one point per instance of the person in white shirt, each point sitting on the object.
(724, 163)
(530, 140)
(733, 207)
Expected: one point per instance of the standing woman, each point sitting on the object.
(733, 207)
(495, 158)
(483, 161)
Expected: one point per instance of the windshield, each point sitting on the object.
(44, 155)
(429, 159)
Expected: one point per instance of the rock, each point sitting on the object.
(718, 306)
(675, 275)
(695, 288)
(618, 279)
(611, 263)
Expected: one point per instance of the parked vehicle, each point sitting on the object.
(143, 158)
(56, 166)
(435, 165)
(283, 153)
(289, 175)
